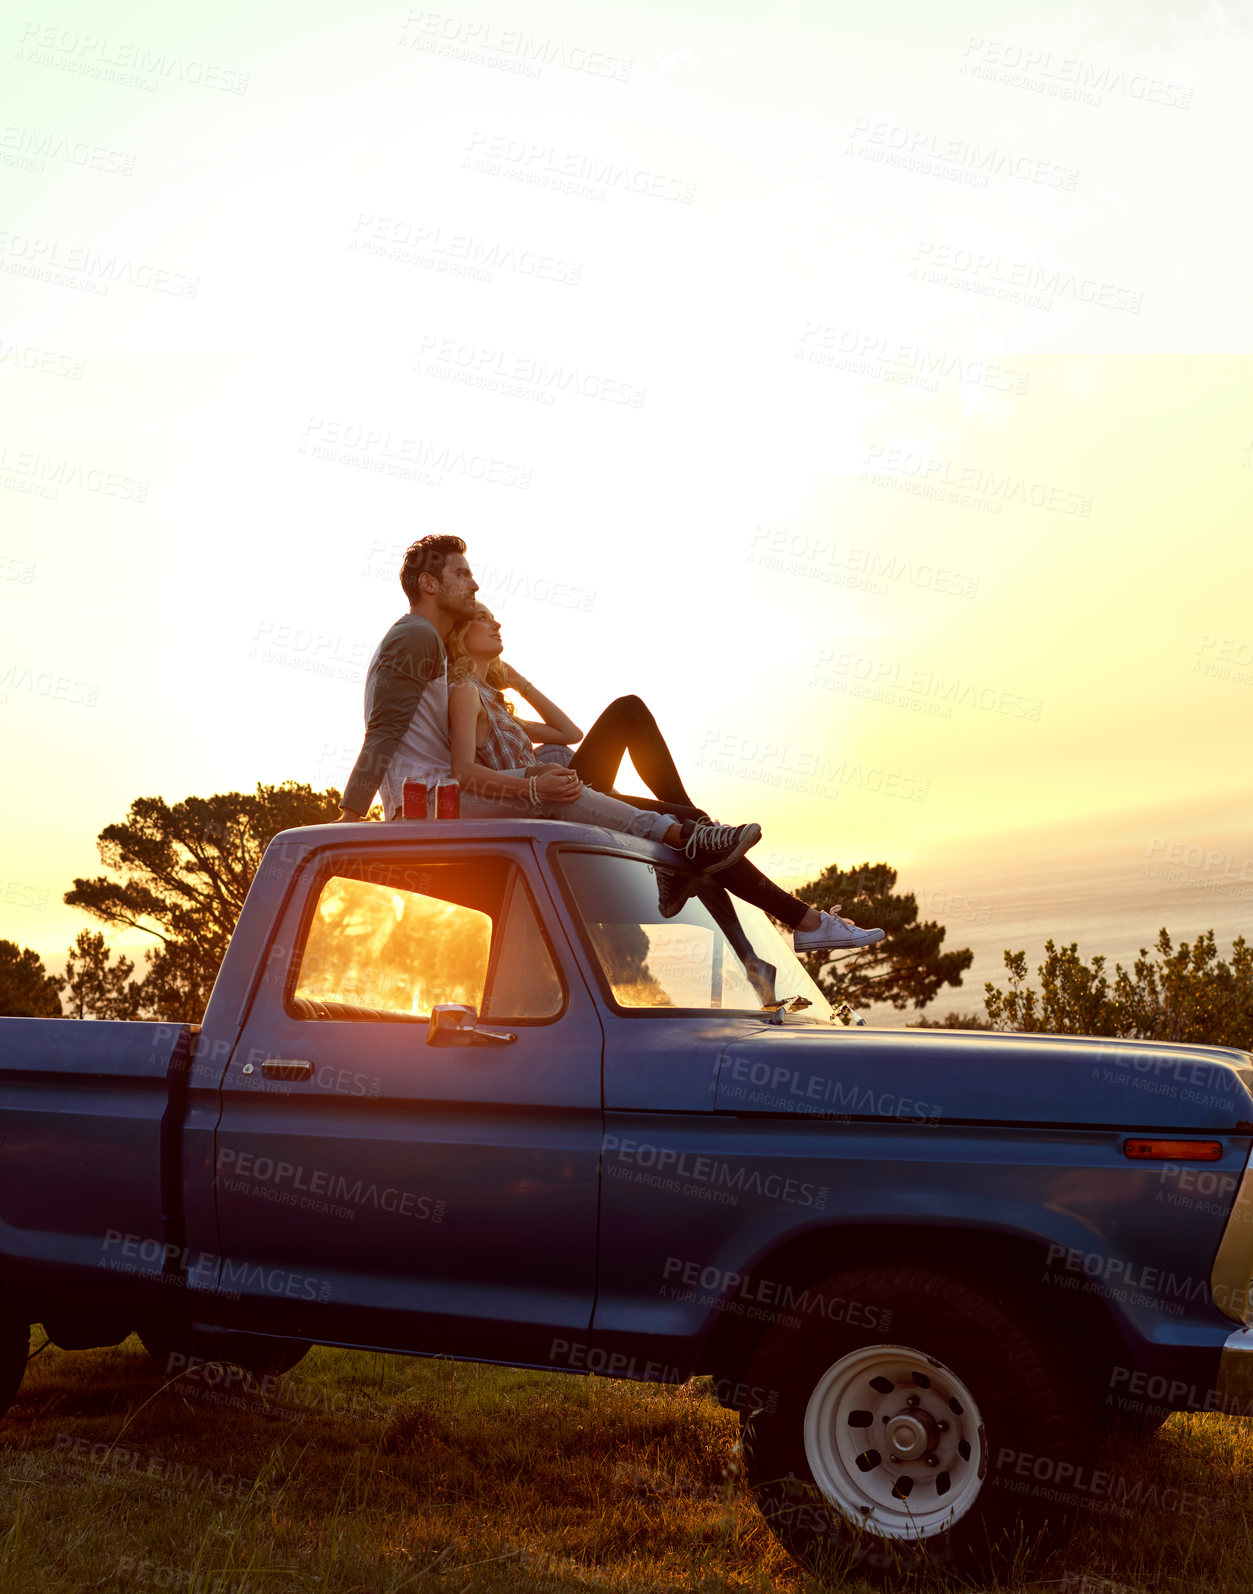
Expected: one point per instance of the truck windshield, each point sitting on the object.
(713, 952)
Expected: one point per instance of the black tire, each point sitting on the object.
(954, 1367)
(254, 1353)
(14, 1350)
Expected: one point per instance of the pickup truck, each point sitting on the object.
(463, 1089)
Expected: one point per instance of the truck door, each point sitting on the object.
(674, 1203)
(375, 1188)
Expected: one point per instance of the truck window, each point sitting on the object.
(387, 940)
(690, 960)
(649, 961)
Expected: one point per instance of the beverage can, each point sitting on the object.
(448, 800)
(414, 799)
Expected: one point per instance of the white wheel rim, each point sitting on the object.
(895, 1442)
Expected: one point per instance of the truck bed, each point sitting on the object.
(90, 1116)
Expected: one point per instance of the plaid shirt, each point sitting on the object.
(507, 745)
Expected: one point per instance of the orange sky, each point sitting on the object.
(871, 405)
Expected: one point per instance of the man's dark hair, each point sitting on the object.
(427, 555)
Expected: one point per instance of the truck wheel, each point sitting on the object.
(14, 1349)
(264, 1358)
(914, 1422)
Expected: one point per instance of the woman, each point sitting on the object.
(487, 739)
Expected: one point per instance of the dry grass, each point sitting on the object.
(376, 1475)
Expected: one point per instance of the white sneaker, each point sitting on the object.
(833, 933)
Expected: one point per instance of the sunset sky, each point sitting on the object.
(867, 388)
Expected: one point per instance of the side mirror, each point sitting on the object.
(456, 1024)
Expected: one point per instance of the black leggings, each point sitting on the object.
(627, 727)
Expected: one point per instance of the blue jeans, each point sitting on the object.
(588, 808)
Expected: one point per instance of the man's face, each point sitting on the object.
(455, 589)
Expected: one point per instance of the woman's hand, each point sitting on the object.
(516, 681)
(554, 784)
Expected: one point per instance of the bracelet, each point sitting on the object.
(532, 790)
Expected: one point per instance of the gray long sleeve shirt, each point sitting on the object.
(406, 664)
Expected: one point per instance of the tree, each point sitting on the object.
(27, 990)
(185, 871)
(906, 967)
(951, 1021)
(1187, 994)
(97, 988)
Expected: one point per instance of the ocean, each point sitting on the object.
(1110, 899)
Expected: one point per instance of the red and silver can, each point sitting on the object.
(414, 799)
(448, 800)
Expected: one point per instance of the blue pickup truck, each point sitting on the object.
(464, 1089)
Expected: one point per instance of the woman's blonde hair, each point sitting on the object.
(460, 664)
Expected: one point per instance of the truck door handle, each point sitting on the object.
(287, 1068)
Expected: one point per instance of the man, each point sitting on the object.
(406, 692)
(406, 699)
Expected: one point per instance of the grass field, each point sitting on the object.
(360, 1474)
